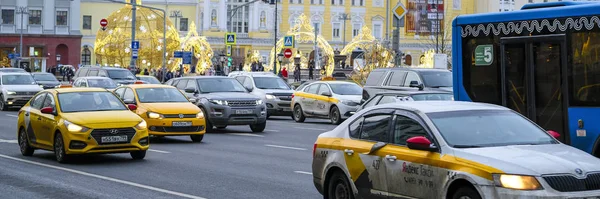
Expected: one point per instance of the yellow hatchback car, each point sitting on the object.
(167, 110)
(72, 121)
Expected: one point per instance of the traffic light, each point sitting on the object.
(229, 61)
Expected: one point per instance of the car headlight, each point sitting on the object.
(11, 93)
(142, 125)
(259, 102)
(350, 102)
(520, 182)
(269, 97)
(200, 115)
(74, 127)
(153, 115)
(219, 102)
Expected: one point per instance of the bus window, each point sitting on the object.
(585, 75)
(482, 83)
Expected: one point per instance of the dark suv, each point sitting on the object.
(406, 79)
(119, 75)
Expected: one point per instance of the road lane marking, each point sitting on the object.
(303, 172)
(246, 134)
(158, 151)
(11, 115)
(269, 130)
(8, 141)
(316, 129)
(103, 178)
(285, 147)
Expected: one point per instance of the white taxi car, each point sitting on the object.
(335, 100)
(448, 149)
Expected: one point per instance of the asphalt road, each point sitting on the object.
(233, 163)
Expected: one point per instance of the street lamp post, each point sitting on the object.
(275, 44)
(345, 17)
(22, 10)
(280, 59)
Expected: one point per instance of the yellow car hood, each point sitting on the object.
(172, 108)
(104, 119)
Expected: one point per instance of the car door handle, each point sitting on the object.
(26, 114)
(39, 118)
(390, 158)
(348, 151)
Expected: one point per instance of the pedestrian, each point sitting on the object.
(311, 67)
(284, 73)
(241, 67)
(146, 72)
(297, 73)
(63, 72)
(169, 75)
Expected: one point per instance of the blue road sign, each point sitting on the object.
(187, 57)
(230, 39)
(288, 41)
(178, 54)
(11, 56)
(135, 45)
(134, 54)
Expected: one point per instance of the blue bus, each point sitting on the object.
(542, 61)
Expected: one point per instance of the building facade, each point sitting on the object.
(254, 23)
(50, 29)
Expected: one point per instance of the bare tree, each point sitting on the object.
(439, 40)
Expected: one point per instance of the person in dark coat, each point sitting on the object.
(311, 67)
(241, 67)
(146, 72)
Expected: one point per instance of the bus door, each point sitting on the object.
(533, 73)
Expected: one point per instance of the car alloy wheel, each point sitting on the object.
(339, 187)
(334, 115)
(26, 150)
(59, 149)
(298, 115)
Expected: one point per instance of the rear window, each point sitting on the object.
(375, 78)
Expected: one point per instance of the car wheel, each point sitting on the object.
(3, 106)
(26, 149)
(466, 193)
(209, 126)
(334, 115)
(338, 187)
(298, 115)
(138, 155)
(257, 128)
(59, 149)
(197, 138)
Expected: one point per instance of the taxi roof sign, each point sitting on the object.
(399, 11)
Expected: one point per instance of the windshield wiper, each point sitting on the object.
(467, 146)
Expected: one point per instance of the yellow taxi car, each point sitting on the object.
(167, 110)
(335, 100)
(79, 121)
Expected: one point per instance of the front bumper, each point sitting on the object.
(164, 127)
(74, 142)
(346, 111)
(226, 115)
(277, 107)
(547, 193)
(17, 100)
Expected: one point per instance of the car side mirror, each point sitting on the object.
(193, 100)
(554, 134)
(132, 107)
(325, 93)
(129, 101)
(47, 110)
(190, 90)
(249, 88)
(420, 143)
(415, 84)
(376, 147)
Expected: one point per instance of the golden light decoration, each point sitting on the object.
(375, 54)
(304, 32)
(112, 46)
(426, 61)
(199, 46)
(253, 57)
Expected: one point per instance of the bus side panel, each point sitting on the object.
(591, 126)
(460, 94)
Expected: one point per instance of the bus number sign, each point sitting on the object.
(484, 55)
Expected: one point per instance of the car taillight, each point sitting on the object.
(314, 149)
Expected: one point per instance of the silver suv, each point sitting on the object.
(273, 90)
(224, 101)
(17, 89)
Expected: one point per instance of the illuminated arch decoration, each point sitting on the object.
(376, 55)
(303, 32)
(253, 57)
(201, 48)
(112, 46)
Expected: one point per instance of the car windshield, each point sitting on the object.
(211, 85)
(102, 83)
(24, 79)
(89, 101)
(437, 79)
(151, 80)
(44, 77)
(487, 128)
(160, 95)
(346, 89)
(433, 97)
(120, 74)
(270, 83)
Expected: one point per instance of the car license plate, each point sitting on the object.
(182, 124)
(113, 139)
(244, 111)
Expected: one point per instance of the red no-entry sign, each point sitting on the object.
(287, 53)
(103, 22)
